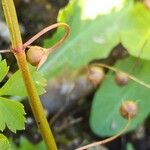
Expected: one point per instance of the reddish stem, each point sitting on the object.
(39, 34)
(45, 30)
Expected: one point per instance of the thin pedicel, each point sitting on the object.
(38, 35)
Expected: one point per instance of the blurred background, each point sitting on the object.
(71, 86)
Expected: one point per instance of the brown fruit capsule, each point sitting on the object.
(96, 75)
(121, 78)
(129, 109)
(35, 55)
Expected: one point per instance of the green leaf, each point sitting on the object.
(3, 69)
(130, 146)
(16, 80)
(11, 115)
(26, 145)
(93, 36)
(105, 118)
(135, 31)
(4, 143)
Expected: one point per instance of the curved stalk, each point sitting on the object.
(45, 30)
(57, 44)
(108, 139)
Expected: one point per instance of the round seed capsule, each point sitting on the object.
(129, 109)
(121, 78)
(96, 75)
(35, 55)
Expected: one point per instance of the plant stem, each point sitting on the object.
(12, 21)
(18, 50)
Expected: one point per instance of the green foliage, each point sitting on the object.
(16, 79)
(94, 37)
(12, 112)
(26, 145)
(3, 69)
(4, 143)
(105, 117)
(11, 115)
(135, 31)
(130, 146)
(89, 38)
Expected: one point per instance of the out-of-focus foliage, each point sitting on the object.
(4, 143)
(94, 32)
(93, 36)
(90, 38)
(26, 145)
(135, 31)
(105, 116)
(130, 146)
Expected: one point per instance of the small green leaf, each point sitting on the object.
(11, 115)
(105, 117)
(4, 143)
(3, 69)
(16, 80)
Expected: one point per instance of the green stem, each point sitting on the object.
(34, 100)
(12, 21)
